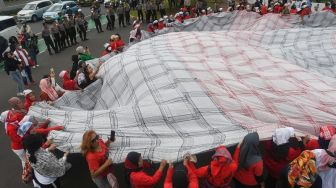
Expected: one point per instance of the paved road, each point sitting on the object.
(10, 170)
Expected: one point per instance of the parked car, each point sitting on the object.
(58, 9)
(33, 11)
(8, 27)
(88, 2)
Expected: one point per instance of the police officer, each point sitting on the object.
(95, 16)
(63, 34)
(68, 11)
(80, 13)
(81, 27)
(121, 13)
(148, 8)
(153, 10)
(66, 26)
(47, 39)
(56, 35)
(127, 13)
(110, 17)
(72, 30)
(140, 12)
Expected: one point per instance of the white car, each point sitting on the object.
(34, 10)
(8, 27)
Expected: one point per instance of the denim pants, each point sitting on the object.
(16, 76)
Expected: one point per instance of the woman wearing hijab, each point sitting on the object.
(326, 164)
(30, 99)
(326, 133)
(221, 170)
(250, 165)
(279, 152)
(136, 177)
(68, 84)
(96, 154)
(181, 176)
(84, 53)
(48, 93)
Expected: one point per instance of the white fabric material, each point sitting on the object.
(282, 135)
(22, 155)
(328, 176)
(43, 179)
(188, 92)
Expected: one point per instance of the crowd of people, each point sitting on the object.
(286, 160)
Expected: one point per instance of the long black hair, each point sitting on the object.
(31, 144)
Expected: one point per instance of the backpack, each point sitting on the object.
(302, 170)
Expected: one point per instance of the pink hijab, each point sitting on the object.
(326, 158)
(49, 90)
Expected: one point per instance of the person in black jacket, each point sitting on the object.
(75, 66)
(12, 68)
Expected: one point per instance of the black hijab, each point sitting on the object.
(249, 151)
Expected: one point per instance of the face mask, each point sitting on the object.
(20, 47)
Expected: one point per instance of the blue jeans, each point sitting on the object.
(16, 76)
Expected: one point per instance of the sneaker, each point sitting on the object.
(37, 65)
(20, 94)
(34, 67)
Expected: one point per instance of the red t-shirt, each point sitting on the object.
(277, 9)
(120, 43)
(104, 53)
(293, 11)
(27, 103)
(96, 159)
(142, 180)
(327, 9)
(247, 176)
(16, 140)
(69, 85)
(193, 180)
(263, 10)
(305, 11)
(161, 25)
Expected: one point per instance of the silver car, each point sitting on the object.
(33, 11)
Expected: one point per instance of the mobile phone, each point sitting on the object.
(112, 136)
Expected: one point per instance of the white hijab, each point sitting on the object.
(282, 135)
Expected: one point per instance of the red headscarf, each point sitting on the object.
(221, 166)
(68, 84)
(326, 158)
(28, 102)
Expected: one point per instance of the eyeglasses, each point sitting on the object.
(96, 138)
